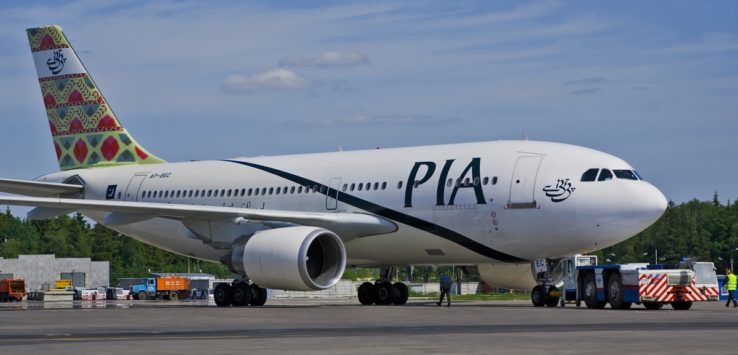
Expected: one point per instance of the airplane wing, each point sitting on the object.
(346, 225)
(37, 188)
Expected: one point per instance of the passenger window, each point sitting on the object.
(271, 190)
(160, 194)
(485, 181)
(399, 184)
(210, 193)
(299, 189)
(376, 185)
(353, 185)
(476, 181)
(590, 175)
(276, 191)
(361, 185)
(229, 192)
(605, 175)
(494, 180)
(197, 193)
(256, 192)
(263, 191)
(384, 185)
(243, 192)
(166, 194)
(292, 190)
(625, 174)
(345, 186)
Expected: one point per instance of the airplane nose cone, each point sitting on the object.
(649, 205)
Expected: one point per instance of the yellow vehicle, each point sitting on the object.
(62, 284)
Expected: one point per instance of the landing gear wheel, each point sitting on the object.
(142, 295)
(401, 293)
(367, 293)
(552, 301)
(241, 294)
(223, 295)
(259, 295)
(615, 292)
(173, 296)
(590, 293)
(539, 296)
(385, 293)
(681, 305)
(654, 306)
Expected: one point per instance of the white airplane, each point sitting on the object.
(295, 222)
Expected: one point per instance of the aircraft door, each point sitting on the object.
(331, 198)
(523, 182)
(134, 186)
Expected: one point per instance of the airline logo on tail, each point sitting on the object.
(85, 130)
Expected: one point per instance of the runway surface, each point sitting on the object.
(342, 326)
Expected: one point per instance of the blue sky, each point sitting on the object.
(655, 82)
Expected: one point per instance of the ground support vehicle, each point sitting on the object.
(165, 287)
(12, 290)
(621, 285)
(117, 293)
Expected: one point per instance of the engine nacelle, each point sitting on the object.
(291, 258)
(513, 276)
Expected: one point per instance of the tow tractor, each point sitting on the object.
(580, 279)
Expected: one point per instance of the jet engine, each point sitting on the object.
(512, 276)
(290, 258)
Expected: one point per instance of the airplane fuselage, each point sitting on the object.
(503, 201)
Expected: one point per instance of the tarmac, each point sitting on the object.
(310, 326)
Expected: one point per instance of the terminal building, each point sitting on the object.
(44, 269)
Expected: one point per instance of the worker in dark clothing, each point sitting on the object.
(730, 283)
(445, 289)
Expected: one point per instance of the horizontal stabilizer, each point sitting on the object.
(37, 188)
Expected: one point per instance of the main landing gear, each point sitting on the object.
(383, 292)
(239, 294)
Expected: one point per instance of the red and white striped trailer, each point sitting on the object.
(621, 285)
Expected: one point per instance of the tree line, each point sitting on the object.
(705, 230)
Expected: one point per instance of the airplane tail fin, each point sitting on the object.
(85, 130)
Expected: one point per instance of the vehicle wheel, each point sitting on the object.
(654, 306)
(223, 295)
(682, 305)
(142, 295)
(367, 293)
(401, 293)
(539, 296)
(615, 291)
(241, 294)
(552, 301)
(590, 292)
(259, 295)
(173, 296)
(385, 293)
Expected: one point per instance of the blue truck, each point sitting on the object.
(165, 287)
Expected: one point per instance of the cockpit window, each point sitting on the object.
(638, 175)
(590, 175)
(605, 175)
(625, 174)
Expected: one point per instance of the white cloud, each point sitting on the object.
(271, 80)
(326, 60)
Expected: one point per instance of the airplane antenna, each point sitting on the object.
(525, 136)
(340, 148)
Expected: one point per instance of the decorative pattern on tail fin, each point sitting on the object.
(85, 130)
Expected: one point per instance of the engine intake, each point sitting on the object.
(291, 258)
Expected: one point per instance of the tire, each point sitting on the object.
(385, 293)
(615, 292)
(223, 295)
(552, 301)
(538, 296)
(367, 293)
(401, 293)
(653, 306)
(589, 288)
(173, 296)
(142, 295)
(681, 305)
(241, 294)
(259, 295)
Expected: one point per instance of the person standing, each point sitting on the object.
(731, 283)
(445, 290)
